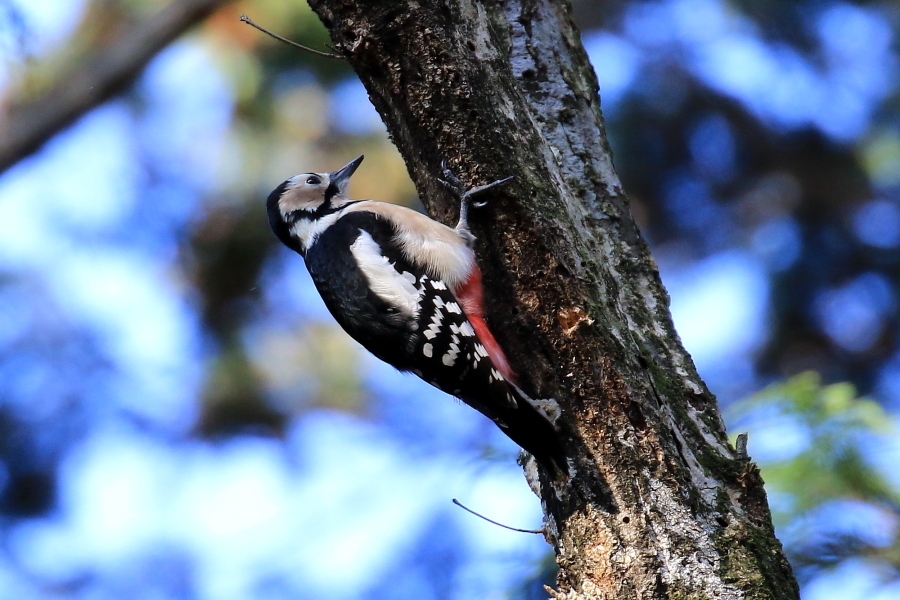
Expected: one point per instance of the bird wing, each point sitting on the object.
(402, 314)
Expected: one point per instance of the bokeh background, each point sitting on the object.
(180, 417)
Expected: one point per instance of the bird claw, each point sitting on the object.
(483, 188)
(459, 189)
(452, 182)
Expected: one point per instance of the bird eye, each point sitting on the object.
(313, 180)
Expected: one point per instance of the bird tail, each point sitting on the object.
(531, 424)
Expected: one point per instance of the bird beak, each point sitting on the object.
(342, 175)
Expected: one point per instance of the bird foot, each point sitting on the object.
(459, 189)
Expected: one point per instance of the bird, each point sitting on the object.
(409, 290)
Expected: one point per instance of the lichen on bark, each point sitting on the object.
(659, 504)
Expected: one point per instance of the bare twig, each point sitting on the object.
(467, 509)
(28, 124)
(246, 19)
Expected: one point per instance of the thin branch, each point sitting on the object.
(26, 127)
(246, 19)
(467, 509)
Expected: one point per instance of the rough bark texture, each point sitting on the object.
(660, 505)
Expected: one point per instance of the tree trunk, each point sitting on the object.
(660, 505)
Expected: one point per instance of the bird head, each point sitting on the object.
(310, 192)
(307, 196)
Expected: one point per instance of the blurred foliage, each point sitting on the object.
(710, 165)
(819, 469)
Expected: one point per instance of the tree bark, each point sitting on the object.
(659, 505)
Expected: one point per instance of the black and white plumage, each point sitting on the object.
(409, 290)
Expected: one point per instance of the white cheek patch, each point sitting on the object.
(303, 196)
(385, 282)
(307, 231)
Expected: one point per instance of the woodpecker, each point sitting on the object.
(408, 289)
